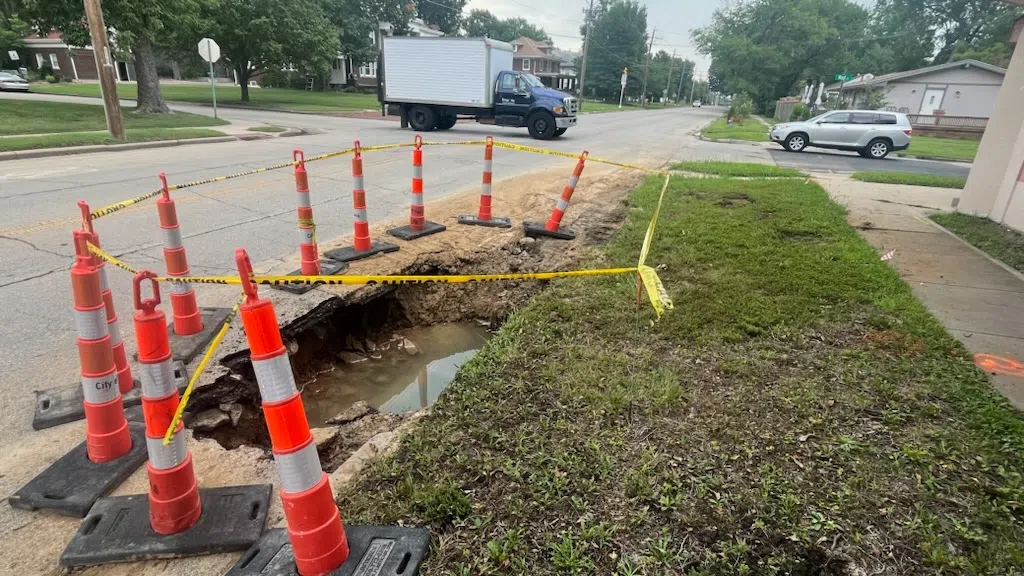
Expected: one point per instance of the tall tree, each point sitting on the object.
(12, 32)
(355, 27)
(618, 40)
(141, 26)
(261, 35)
(446, 14)
(481, 23)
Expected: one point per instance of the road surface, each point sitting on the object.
(845, 162)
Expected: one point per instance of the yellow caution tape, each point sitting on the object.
(545, 151)
(210, 351)
(659, 297)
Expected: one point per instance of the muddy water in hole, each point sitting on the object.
(398, 382)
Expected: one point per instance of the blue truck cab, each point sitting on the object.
(521, 99)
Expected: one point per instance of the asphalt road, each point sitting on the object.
(843, 162)
(38, 211)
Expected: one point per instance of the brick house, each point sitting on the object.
(68, 61)
(543, 61)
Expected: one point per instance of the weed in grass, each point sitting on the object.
(568, 554)
(442, 504)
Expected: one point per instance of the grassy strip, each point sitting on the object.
(933, 148)
(934, 180)
(37, 117)
(271, 129)
(750, 129)
(799, 412)
(15, 143)
(274, 98)
(999, 242)
(749, 169)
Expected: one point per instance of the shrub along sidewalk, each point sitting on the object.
(799, 412)
(911, 179)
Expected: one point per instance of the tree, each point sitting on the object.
(355, 28)
(263, 35)
(481, 23)
(446, 14)
(12, 32)
(998, 53)
(618, 40)
(140, 26)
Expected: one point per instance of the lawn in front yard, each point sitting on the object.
(799, 412)
(998, 241)
(65, 139)
(933, 148)
(276, 98)
(912, 179)
(748, 169)
(750, 129)
(39, 117)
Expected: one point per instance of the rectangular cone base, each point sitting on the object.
(56, 406)
(73, 484)
(407, 233)
(373, 551)
(537, 230)
(185, 348)
(118, 530)
(349, 254)
(494, 222)
(328, 267)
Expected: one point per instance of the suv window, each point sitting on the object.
(886, 119)
(837, 118)
(862, 118)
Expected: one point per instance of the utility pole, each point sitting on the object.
(679, 89)
(105, 68)
(668, 83)
(647, 67)
(586, 48)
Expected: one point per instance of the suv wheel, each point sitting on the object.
(422, 118)
(878, 149)
(796, 142)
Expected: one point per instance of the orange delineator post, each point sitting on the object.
(106, 430)
(185, 311)
(124, 370)
(418, 226)
(314, 523)
(309, 254)
(553, 227)
(484, 217)
(362, 246)
(174, 504)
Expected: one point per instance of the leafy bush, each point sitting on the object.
(800, 112)
(52, 80)
(742, 106)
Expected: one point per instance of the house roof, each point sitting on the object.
(530, 48)
(860, 82)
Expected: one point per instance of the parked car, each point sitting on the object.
(696, 103)
(12, 82)
(870, 133)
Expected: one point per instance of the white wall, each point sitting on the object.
(977, 89)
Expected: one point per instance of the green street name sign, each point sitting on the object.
(844, 77)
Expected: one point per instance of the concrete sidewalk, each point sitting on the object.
(979, 300)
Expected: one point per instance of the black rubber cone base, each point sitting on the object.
(328, 267)
(494, 222)
(407, 233)
(349, 253)
(118, 529)
(56, 406)
(185, 348)
(73, 484)
(373, 551)
(537, 230)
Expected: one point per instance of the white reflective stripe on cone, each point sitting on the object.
(562, 205)
(299, 471)
(275, 378)
(157, 379)
(357, 182)
(417, 199)
(573, 181)
(303, 200)
(172, 238)
(103, 277)
(305, 235)
(91, 324)
(166, 457)
(485, 189)
(180, 287)
(360, 215)
(417, 172)
(488, 165)
(114, 329)
(100, 389)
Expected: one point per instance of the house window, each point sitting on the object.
(526, 63)
(368, 70)
(39, 60)
(54, 63)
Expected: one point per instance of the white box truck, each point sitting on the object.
(432, 82)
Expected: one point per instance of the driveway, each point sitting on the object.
(845, 162)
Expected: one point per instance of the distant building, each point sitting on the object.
(67, 61)
(543, 61)
(348, 73)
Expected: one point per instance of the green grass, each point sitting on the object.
(1002, 243)
(932, 148)
(276, 98)
(31, 117)
(599, 107)
(272, 129)
(911, 179)
(799, 412)
(14, 143)
(750, 129)
(748, 169)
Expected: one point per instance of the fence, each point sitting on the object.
(971, 124)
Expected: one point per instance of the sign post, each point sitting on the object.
(625, 78)
(210, 51)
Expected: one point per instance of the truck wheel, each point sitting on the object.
(560, 131)
(541, 125)
(422, 118)
(447, 122)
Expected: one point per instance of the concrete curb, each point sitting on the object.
(979, 251)
(732, 141)
(71, 150)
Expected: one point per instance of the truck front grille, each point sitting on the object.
(572, 105)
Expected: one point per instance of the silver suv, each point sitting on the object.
(872, 134)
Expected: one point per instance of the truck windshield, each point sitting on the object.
(532, 80)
